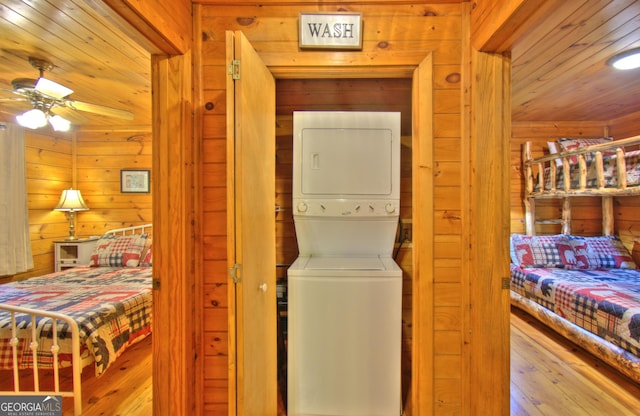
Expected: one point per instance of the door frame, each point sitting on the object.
(421, 73)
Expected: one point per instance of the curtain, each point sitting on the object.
(15, 244)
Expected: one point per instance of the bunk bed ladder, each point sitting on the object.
(530, 202)
(531, 221)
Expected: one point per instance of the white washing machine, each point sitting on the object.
(345, 290)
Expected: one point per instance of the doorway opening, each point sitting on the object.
(338, 94)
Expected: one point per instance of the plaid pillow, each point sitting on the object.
(542, 251)
(566, 144)
(118, 250)
(602, 252)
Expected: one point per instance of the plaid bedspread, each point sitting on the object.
(632, 161)
(605, 303)
(112, 306)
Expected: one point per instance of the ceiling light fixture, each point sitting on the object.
(36, 118)
(59, 123)
(32, 119)
(626, 60)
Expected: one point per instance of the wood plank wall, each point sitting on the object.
(393, 34)
(100, 156)
(586, 212)
(89, 161)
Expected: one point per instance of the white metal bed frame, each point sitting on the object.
(76, 392)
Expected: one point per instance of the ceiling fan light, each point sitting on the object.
(32, 119)
(626, 60)
(59, 123)
(51, 88)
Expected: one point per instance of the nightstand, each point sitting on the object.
(72, 253)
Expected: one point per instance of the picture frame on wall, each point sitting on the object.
(135, 180)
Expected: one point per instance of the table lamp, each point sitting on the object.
(71, 201)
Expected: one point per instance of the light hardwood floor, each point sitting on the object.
(125, 389)
(551, 376)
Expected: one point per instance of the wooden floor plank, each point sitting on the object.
(550, 376)
(555, 377)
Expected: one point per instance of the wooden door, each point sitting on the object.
(251, 229)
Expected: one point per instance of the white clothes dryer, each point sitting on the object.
(345, 290)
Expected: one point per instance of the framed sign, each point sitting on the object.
(330, 31)
(134, 180)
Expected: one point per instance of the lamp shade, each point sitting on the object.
(59, 124)
(71, 200)
(32, 119)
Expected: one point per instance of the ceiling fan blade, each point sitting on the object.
(13, 100)
(12, 92)
(52, 88)
(99, 109)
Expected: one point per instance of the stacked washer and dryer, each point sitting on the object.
(345, 289)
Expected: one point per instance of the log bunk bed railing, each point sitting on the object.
(545, 178)
(544, 170)
(35, 317)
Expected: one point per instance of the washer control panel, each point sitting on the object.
(346, 208)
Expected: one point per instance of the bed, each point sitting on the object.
(598, 167)
(585, 288)
(84, 316)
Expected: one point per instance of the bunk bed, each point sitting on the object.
(587, 289)
(82, 316)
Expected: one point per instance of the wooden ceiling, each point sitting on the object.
(559, 66)
(85, 42)
(559, 61)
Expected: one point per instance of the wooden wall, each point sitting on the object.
(586, 212)
(89, 161)
(100, 155)
(395, 35)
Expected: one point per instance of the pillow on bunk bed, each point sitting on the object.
(546, 251)
(566, 144)
(601, 252)
(118, 250)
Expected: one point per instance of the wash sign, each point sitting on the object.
(330, 31)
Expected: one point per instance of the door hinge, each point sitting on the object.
(233, 273)
(155, 283)
(506, 283)
(234, 69)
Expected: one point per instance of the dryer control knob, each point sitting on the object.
(302, 207)
(389, 208)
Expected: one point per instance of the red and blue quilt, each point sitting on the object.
(111, 305)
(603, 302)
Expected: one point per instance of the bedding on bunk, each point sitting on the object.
(112, 306)
(603, 302)
(589, 281)
(632, 160)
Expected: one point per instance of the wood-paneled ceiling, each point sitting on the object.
(85, 42)
(559, 62)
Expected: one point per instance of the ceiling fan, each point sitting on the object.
(45, 95)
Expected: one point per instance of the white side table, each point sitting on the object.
(72, 253)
